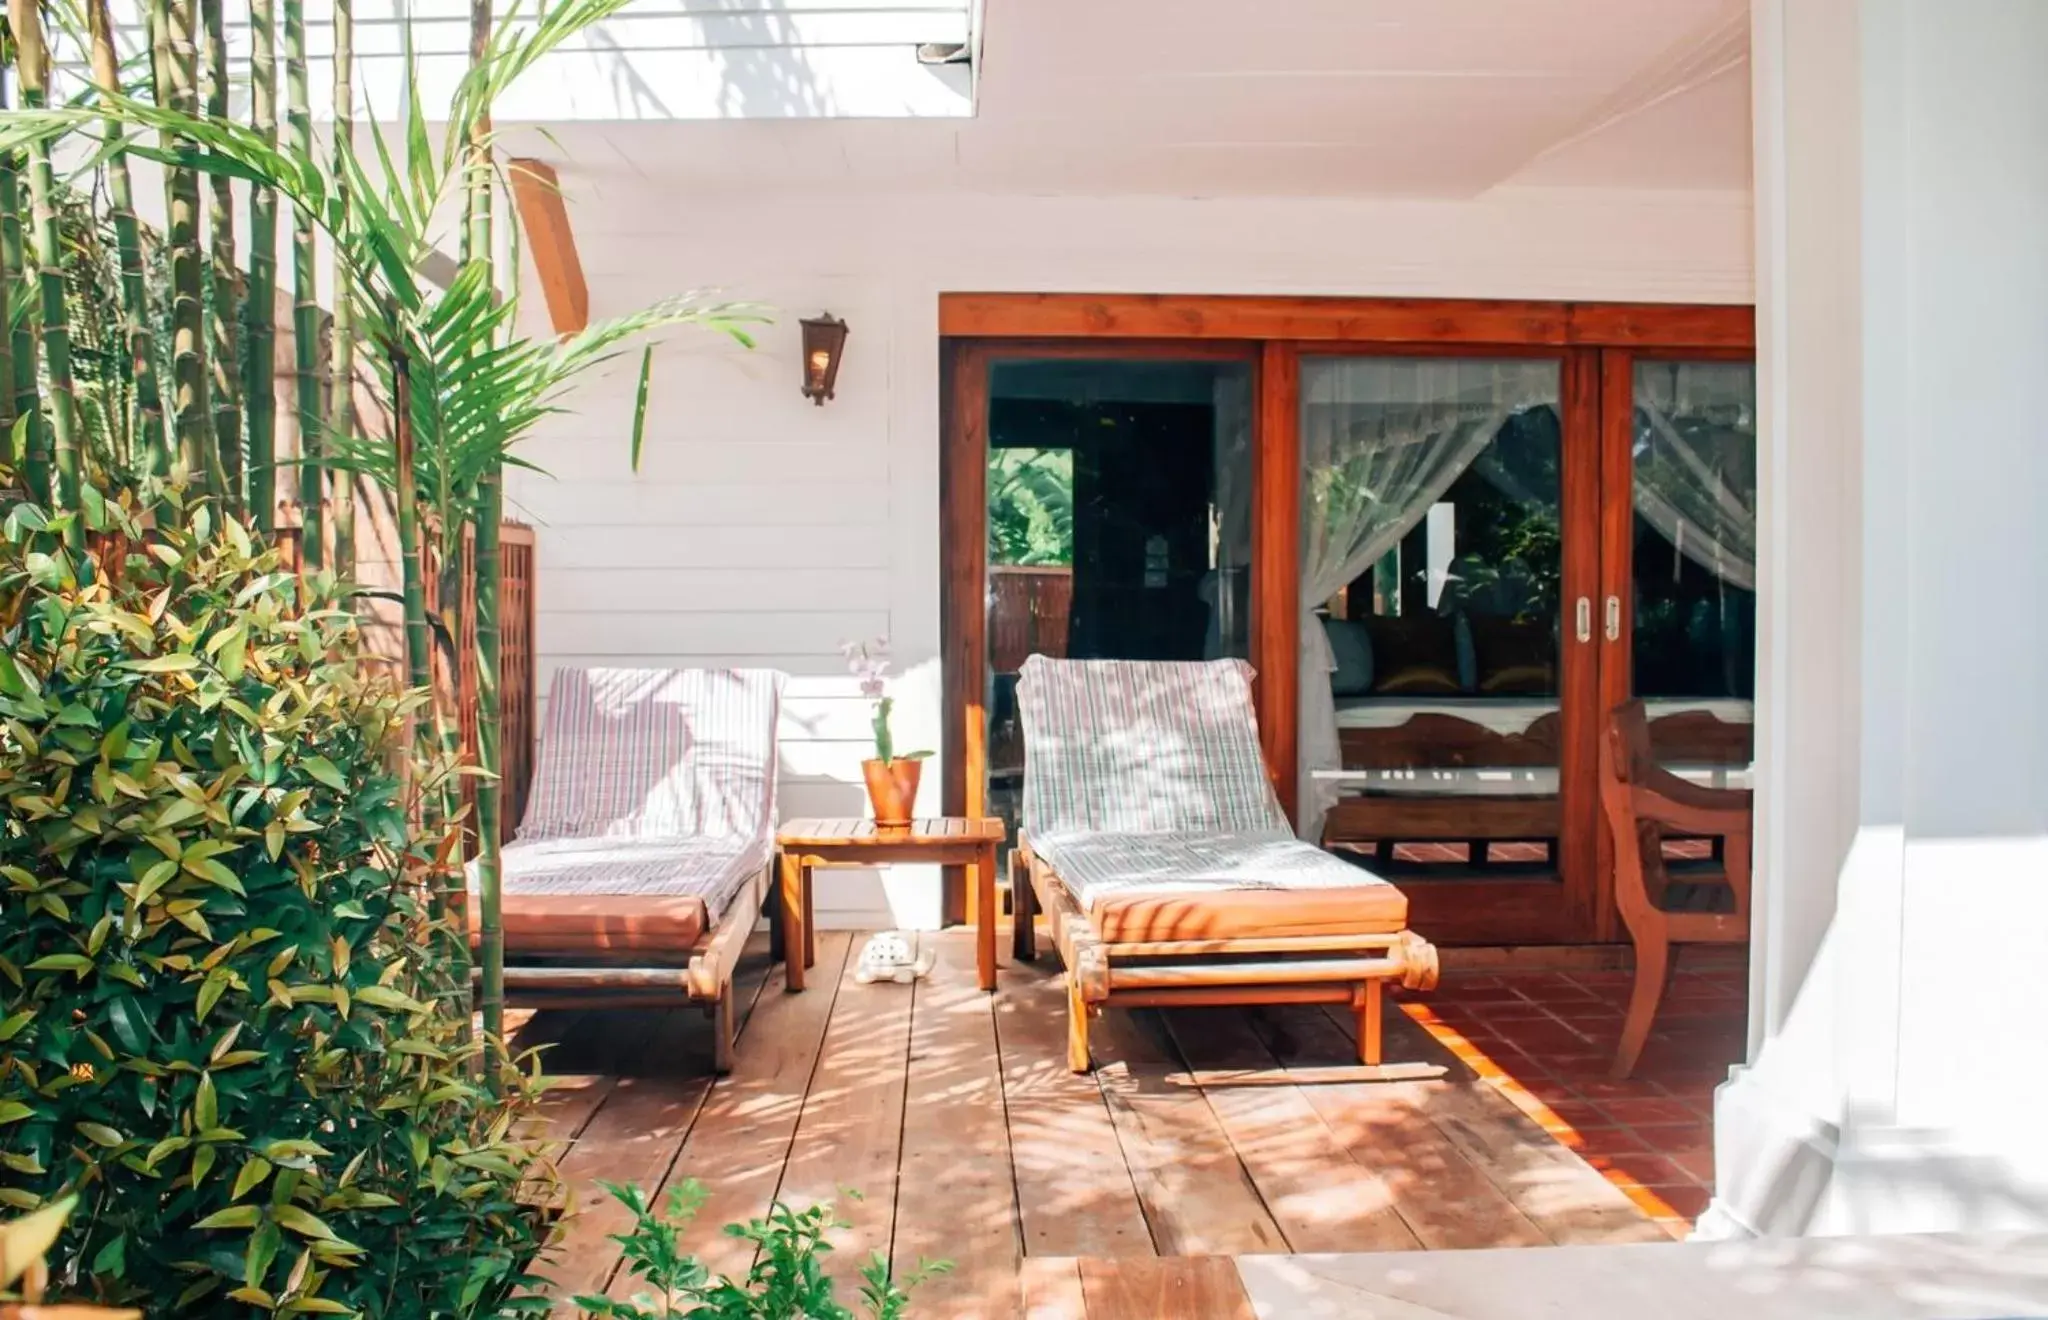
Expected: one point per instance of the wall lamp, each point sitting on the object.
(824, 341)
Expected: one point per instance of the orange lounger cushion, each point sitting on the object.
(666, 928)
(1374, 908)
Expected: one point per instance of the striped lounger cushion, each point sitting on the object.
(653, 803)
(1145, 789)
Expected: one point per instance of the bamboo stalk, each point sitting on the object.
(226, 271)
(191, 411)
(418, 642)
(261, 392)
(490, 572)
(128, 244)
(19, 382)
(305, 302)
(26, 20)
(342, 386)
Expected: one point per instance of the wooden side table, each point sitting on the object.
(934, 841)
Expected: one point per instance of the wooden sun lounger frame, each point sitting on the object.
(1302, 969)
(701, 972)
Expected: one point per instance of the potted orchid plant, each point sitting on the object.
(891, 775)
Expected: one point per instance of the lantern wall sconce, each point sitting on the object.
(824, 341)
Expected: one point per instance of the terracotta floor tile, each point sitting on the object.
(1634, 1088)
(1689, 1200)
(1639, 1113)
(1698, 1164)
(1580, 1063)
(1521, 1010)
(1650, 1169)
(1612, 1140)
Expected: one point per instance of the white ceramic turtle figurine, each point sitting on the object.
(890, 955)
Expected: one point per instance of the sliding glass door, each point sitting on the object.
(1680, 578)
(1445, 556)
(1450, 536)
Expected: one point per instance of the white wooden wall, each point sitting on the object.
(763, 530)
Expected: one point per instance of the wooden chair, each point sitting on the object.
(1644, 802)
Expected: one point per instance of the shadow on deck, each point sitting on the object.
(951, 1112)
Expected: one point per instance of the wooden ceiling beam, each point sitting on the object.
(544, 218)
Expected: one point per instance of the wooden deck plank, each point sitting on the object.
(740, 1141)
(1445, 1199)
(848, 1140)
(1205, 1286)
(1321, 1199)
(957, 1200)
(633, 1134)
(1051, 1288)
(1074, 1191)
(1198, 1199)
(1561, 1194)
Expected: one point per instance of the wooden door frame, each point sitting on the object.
(1273, 334)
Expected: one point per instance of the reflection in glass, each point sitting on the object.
(1695, 559)
(1119, 519)
(1431, 570)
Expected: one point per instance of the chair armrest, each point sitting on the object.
(1694, 809)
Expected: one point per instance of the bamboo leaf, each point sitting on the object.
(640, 403)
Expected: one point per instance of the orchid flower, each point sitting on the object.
(869, 662)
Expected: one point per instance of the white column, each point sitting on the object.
(1899, 983)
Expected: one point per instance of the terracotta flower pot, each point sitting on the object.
(892, 789)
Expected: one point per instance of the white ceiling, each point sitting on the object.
(1416, 98)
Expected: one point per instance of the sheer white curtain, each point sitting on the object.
(1382, 439)
(1695, 462)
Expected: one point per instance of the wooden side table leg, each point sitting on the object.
(985, 916)
(810, 915)
(793, 934)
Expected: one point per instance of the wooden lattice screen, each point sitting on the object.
(516, 685)
(516, 695)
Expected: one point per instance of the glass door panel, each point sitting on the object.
(1119, 523)
(1434, 564)
(1692, 478)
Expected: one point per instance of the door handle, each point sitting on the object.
(1614, 618)
(1585, 619)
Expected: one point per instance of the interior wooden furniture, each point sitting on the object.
(1246, 946)
(1646, 806)
(804, 845)
(1570, 897)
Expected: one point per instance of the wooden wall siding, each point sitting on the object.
(1353, 320)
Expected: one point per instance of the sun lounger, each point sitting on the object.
(642, 863)
(1153, 842)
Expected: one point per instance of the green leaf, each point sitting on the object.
(304, 1223)
(253, 1172)
(176, 663)
(112, 1258)
(324, 770)
(12, 683)
(378, 996)
(62, 962)
(101, 1134)
(30, 1238)
(235, 1216)
(13, 1111)
(11, 1027)
(640, 402)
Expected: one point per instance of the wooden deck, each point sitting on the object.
(952, 1113)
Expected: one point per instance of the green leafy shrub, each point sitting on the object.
(786, 1282)
(228, 1019)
